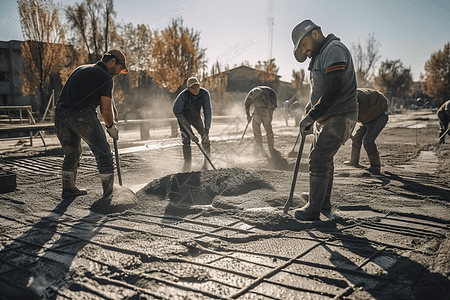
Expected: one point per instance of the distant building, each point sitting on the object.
(11, 65)
(242, 79)
(10, 81)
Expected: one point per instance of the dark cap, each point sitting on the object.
(298, 33)
(120, 59)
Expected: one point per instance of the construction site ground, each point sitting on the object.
(221, 233)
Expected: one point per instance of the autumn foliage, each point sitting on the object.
(436, 81)
(43, 52)
(175, 56)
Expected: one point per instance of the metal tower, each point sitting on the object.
(270, 22)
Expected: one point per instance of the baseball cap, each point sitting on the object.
(120, 59)
(256, 93)
(191, 81)
(298, 33)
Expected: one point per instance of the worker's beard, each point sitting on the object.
(315, 47)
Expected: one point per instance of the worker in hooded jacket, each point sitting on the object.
(259, 104)
(373, 117)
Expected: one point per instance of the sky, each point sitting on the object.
(234, 31)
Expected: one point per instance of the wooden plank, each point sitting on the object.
(13, 128)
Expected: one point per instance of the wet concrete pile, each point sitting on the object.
(243, 193)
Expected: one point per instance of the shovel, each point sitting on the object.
(123, 198)
(204, 154)
(116, 151)
(245, 130)
(293, 153)
(191, 135)
(440, 138)
(294, 177)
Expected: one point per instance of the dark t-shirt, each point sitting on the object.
(85, 86)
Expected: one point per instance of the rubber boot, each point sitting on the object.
(259, 150)
(207, 148)
(375, 164)
(271, 144)
(70, 190)
(311, 211)
(442, 136)
(354, 158)
(326, 206)
(187, 158)
(108, 185)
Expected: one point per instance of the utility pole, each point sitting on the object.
(270, 22)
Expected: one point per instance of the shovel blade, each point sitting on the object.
(122, 199)
(292, 154)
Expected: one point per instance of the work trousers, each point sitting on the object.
(368, 133)
(197, 123)
(71, 126)
(262, 116)
(333, 133)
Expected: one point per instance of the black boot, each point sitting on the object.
(354, 158)
(108, 186)
(442, 136)
(187, 158)
(206, 145)
(326, 206)
(70, 190)
(375, 164)
(318, 187)
(271, 142)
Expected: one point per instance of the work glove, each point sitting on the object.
(306, 125)
(194, 138)
(113, 131)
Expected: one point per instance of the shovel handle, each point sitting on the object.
(246, 126)
(189, 131)
(116, 152)
(295, 144)
(440, 138)
(294, 177)
(206, 155)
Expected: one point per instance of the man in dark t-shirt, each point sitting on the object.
(88, 87)
(444, 119)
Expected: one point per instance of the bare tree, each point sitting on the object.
(300, 85)
(176, 56)
(93, 25)
(365, 61)
(298, 79)
(267, 70)
(77, 19)
(394, 78)
(436, 81)
(43, 52)
(109, 22)
(135, 42)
